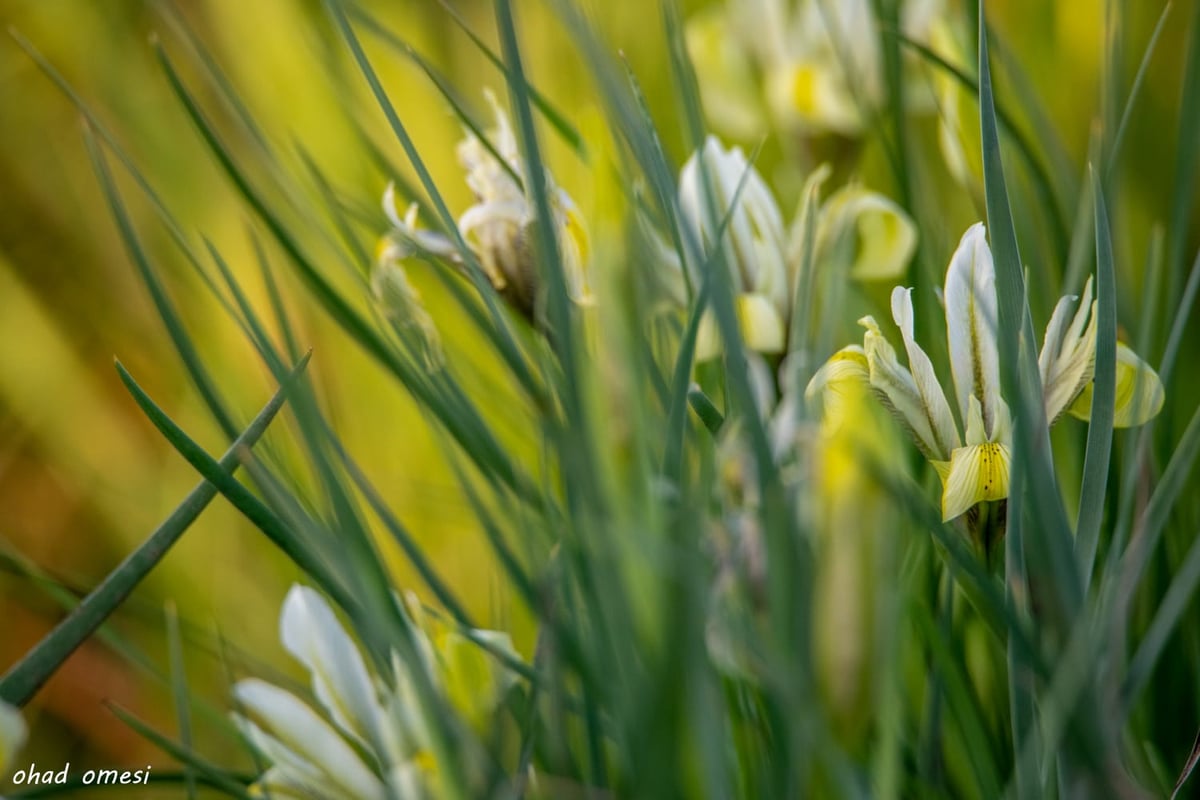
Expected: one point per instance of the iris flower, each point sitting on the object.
(497, 226)
(820, 62)
(369, 739)
(973, 461)
(865, 233)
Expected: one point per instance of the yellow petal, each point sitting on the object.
(868, 233)
(760, 324)
(1139, 397)
(976, 473)
(724, 74)
(839, 383)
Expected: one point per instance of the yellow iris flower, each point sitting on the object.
(974, 465)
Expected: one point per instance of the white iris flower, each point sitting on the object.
(865, 233)
(820, 62)
(368, 740)
(973, 461)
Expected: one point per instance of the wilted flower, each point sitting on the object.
(370, 738)
(12, 735)
(974, 466)
(864, 233)
(401, 302)
(498, 225)
(820, 61)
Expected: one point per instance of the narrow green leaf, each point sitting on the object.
(1100, 428)
(1187, 156)
(180, 693)
(184, 345)
(237, 494)
(212, 774)
(1114, 146)
(557, 119)
(31, 672)
(1184, 580)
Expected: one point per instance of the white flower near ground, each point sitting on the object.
(12, 735)
(368, 738)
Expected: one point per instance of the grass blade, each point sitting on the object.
(31, 672)
(179, 691)
(1100, 428)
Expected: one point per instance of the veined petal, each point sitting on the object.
(868, 232)
(846, 370)
(976, 473)
(753, 240)
(937, 409)
(898, 391)
(12, 735)
(311, 632)
(971, 320)
(298, 729)
(1068, 359)
(1139, 396)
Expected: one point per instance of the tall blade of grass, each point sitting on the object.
(465, 426)
(180, 693)
(558, 121)
(241, 498)
(552, 269)
(1114, 147)
(681, 375)
(1183, 313)
(1184, 580)
(1187, 155)
(504, 337)
(210, 773)
(183, 343)
(1052, 557)
(1045, 564)
(1100, 428)
(28, 675)
(447, 91)
(1043, 183)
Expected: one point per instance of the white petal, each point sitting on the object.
(971, 323)
(310, 631)
(753, 241)
(898, 390)
(937, 409)
(1068, 358)
(296, 728)
(12, 735)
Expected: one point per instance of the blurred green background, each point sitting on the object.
(83, 477)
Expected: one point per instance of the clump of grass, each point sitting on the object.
(741, 580)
